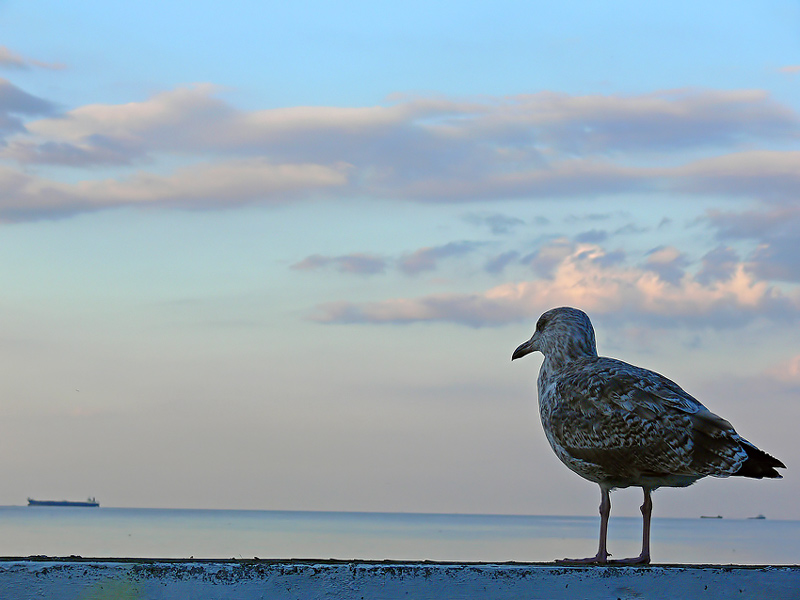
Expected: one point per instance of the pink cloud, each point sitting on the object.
(787, 371)
(584, 279)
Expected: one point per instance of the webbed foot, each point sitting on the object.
(597, 559)
(642, 559)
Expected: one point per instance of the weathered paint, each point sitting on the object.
(135, 579)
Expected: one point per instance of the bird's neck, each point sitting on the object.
(559, 357)
(547, 373)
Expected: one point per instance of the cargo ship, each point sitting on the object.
(89, 502)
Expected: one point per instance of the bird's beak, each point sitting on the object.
(526, 348)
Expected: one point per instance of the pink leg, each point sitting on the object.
(602, 552)
(647, 511)
(644, 557)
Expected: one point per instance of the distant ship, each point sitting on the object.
(710, 517)
(90, 502)
(758, 517)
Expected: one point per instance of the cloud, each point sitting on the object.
(12, 60)
(583, 279)
(763, 174)
(425, 149)
(426, 259)
(664, 120)
(227, 184)
(498, 224)
(101, 151)
(545, 260)
(475, 310)
(630, 228)
(562, 179)
(425, 139)
(195, 120)
(717, 265)
(774, 228)
(421, 260)
(357, 263)
(592, 236)
(497, 264)
(787, 371)
(178, 121)
(591, 217)
(15, 102)
(668, 262)
(791, 69)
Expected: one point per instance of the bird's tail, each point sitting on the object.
(758, 463)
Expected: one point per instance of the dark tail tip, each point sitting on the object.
(759, 464)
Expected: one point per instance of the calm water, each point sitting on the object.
(160, 533)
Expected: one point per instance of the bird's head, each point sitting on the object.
(562, 334)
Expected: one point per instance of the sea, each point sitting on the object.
(243, 534)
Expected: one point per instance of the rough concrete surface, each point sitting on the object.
(129, 579)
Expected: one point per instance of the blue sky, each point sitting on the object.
(260, 255)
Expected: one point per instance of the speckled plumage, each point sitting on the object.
(619, 425)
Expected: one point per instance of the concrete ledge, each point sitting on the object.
(129, 579)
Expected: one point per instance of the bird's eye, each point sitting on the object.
(540, 325)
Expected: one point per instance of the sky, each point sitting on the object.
(270, 255)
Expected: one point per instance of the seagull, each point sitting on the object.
(621, 426)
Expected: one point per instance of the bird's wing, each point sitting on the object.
(635, 422)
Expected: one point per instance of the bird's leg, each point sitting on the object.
(605, 513)
(644, 557)
(647, 511)
(602, 552)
